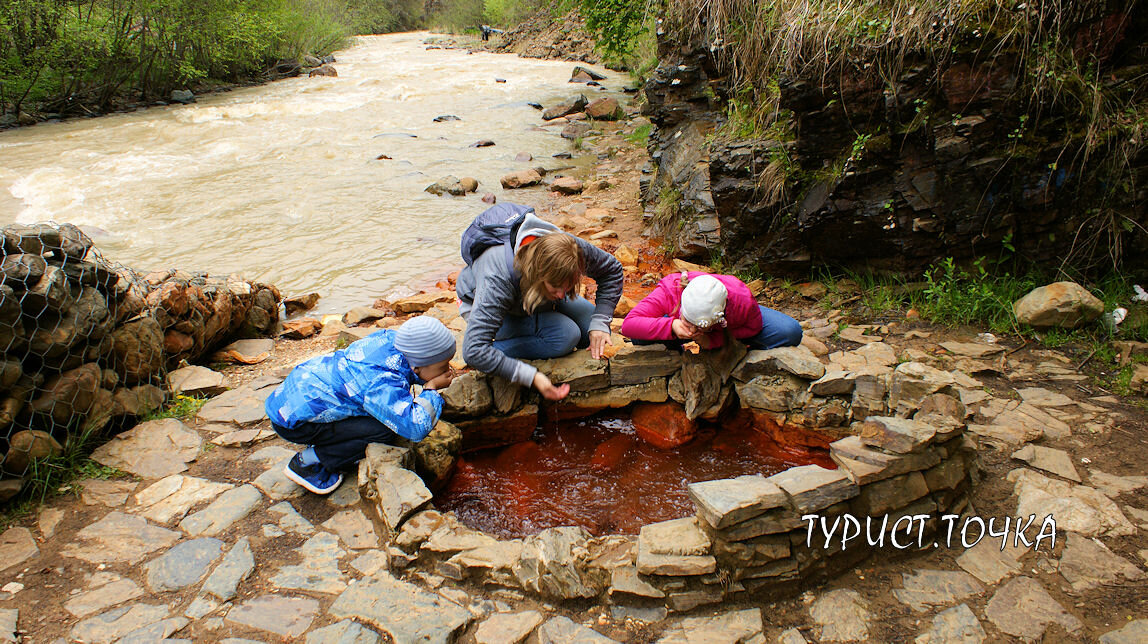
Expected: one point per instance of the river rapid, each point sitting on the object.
(281, 182)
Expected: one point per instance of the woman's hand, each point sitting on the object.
(599, 340)
(441, 381)
(684, 330)
(547, 388)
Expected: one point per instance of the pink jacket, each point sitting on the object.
(652, 317)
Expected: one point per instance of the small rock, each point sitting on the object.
(507, 628)
(521, 179)
(16, 546)
(1061, 304)
(300, 303)
(182, 565)
(928, 588)
(1135, 632)
(195, 380)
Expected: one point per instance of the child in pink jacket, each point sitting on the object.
(699, 311)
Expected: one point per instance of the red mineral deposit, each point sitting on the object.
(612, 451)
(663, 425)
(599, 474)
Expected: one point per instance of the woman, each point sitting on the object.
(702, 307)
(529, 308)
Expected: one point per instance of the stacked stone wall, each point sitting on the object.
(900, 445)
(86, 343)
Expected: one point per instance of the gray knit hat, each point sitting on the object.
(424, 340)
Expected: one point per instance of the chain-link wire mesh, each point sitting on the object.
(87, 343)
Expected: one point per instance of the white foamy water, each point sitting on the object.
(280, 182)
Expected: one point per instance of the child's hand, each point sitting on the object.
(683, 330)
(441, 381)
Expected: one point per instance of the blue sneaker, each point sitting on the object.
(315, 478)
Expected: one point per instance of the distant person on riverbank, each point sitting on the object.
(519, 295)
(700, 307)
(337, 404)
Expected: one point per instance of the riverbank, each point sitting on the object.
(303, 553)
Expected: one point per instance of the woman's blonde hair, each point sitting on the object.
(553, 258)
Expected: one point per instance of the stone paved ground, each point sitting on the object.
(208, 542)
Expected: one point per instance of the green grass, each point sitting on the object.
(50, 477)
(641, 135)
(182, 407)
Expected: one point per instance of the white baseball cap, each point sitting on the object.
(703, 301)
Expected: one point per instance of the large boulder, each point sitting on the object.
(137, 349)
(571, 106)
(605, 108)
(28, 445)
(1060, 304)
(521, 179)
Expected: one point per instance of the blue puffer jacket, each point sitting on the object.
(368, 378)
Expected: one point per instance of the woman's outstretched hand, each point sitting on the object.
(599, 340)
(547, 388)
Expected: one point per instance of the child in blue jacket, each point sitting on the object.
(337, 404)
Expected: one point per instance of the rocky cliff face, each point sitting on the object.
(938, 162)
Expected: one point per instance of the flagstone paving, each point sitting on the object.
(217, 545)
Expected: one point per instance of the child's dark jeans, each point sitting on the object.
(341, 443)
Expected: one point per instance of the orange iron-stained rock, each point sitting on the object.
(663, 425)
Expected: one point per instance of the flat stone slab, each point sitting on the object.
(8, 619)
(109, 493)
(406, 612)
(274, 483)
(195, 380)
(119, 538)
(287, 617)
(841, 616)
(109, 590)
(354, 528)
(237, 564)
(243, 437)
(925, 589)
(290, 520)
(972, 349)
(319, 571)
(1023, 608)
(155, 632)
(17, 545)
(562, 630)
(733, 627)
(1076, 508)
(114, 624)
(1112, 485)
(507, 628)
(899, 435)
(798, 361)
(988, 563)
(1135, 632)
(171, 497)
(344, 632)
(957, 625)
(399, 493)
(241, 406)
(725, 502)
(1086, 563)
(182, 565)
(228, 508)
(1055, 461)
(1025, 420)
(270, 455)
(812, 487)
(675, 537)
(152, 449)
(1044, 398)
(249, 351)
